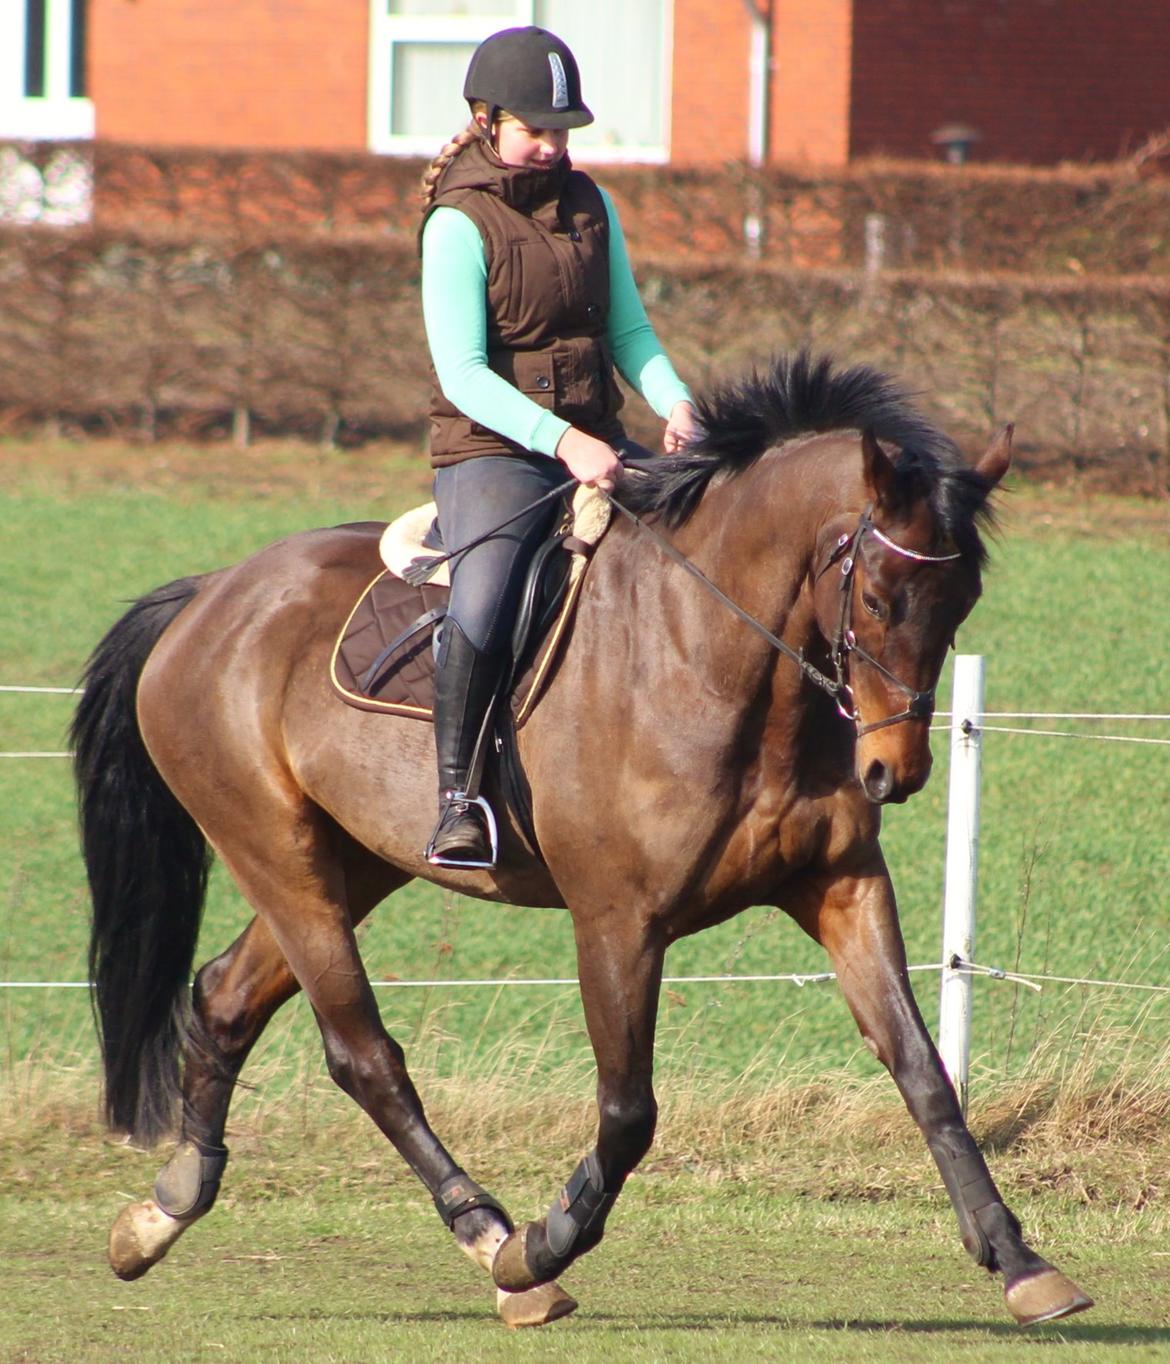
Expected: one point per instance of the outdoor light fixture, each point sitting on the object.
(956, 140)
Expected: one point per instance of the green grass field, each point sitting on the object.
(1074, 857)
(1073, 875)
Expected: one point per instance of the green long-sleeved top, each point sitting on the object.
(454, 300)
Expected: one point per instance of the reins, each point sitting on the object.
(920, 705)
(422, 569)
(813, 673)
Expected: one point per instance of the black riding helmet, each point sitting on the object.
(532, 74)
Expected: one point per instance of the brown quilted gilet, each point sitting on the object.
(546, 241)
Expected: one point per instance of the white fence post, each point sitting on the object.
(962, 867)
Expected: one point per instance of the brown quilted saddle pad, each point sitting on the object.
(384, 657)
(368, 674)
(402, 683)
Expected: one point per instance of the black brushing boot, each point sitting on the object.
(465, 686)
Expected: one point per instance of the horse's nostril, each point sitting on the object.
(878, 781)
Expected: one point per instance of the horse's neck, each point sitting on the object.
(756, 536)
(760, 534)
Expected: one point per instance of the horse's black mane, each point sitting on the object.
(800, 395)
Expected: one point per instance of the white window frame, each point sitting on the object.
(56, 115)
(388, 30)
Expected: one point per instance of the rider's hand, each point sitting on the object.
(588, 459)
(682, 428)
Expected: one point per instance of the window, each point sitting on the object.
(42, 99)
(419, 50)
(42, 70)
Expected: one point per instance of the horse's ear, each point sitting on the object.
(879, 469)
(997, 457)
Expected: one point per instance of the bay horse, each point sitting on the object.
(744, 732)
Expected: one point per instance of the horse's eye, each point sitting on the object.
(872, 605)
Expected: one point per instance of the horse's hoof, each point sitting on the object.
(1046, 1296)
(140, 1237)
(537, 1307)
(510, 1267)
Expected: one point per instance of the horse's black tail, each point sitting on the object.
(147, 863)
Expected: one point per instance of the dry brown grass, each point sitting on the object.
(1091, 1133)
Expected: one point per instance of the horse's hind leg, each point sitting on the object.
(316, 934)
(856, 920)
(234, 997)
(304, 938)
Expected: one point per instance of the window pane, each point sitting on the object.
(619, 47)
(34, 48)
(428, 89)
(77, 53)
(453, 7)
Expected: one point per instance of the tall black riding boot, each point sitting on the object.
(465, 684)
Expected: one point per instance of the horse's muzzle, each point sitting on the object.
(884, 785)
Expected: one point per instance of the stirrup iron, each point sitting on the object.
(438, 859)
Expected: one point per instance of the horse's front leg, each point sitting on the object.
(619, 962)
(856, 920)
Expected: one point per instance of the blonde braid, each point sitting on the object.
(448, 153)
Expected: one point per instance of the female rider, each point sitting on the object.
(529, 303)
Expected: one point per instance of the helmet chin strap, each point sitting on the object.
(490, 129)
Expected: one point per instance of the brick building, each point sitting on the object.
(690, 82)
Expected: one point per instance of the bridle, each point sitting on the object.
(919, 705)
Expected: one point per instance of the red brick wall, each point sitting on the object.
(709, 119)
(1043, 80)
(811, 46)
(230, 73)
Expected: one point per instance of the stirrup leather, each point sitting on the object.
(437, 859)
